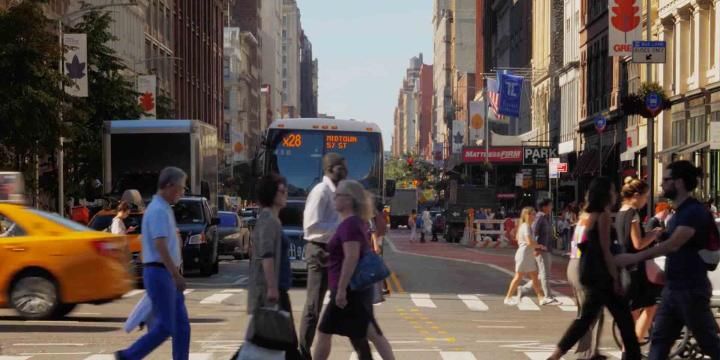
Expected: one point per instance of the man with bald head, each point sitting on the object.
(320, 220)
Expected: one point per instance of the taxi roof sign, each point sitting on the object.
(12, 188)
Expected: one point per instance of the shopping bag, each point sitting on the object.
(369, 270)
(142, 313)
(250, 351)
(272, 328)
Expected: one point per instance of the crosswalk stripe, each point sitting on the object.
(8, 357)
(375, 355)
(233, 291)
(201, 356)
(538, 355)
(132, 293)
(422, 300)
(526, 304)
(566, 304)
(187, 291)
(215, 298)
(616, 353)
(100, 357)
(457, 355)
(473, 303)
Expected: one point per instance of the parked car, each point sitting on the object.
(51, 264)
(199, 234)
(249, 217)
(102, 221)
(234, 237)
(291, 218)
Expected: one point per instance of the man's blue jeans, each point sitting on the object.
(690, 308)
(169, 314)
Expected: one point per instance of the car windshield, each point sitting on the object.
(292, 214)
(69, 224)
(188, 212)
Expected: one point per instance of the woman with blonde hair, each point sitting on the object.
(525, 263)
(350, 312)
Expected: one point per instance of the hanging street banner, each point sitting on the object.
(75, 64)
(237, 140)
(147, 88)
(625, 26)
(510, 88)
(457, 136)
(477, 121)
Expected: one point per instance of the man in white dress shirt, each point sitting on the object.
(320, 220)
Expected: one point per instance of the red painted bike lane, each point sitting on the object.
(502, 259)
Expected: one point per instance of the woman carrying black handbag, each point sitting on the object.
(599, 274)
(350, 312)
(270, 273)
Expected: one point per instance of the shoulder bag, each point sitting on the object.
(369, 270)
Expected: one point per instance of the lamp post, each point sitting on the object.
(61, 152)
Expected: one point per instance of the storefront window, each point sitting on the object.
(678, 132)
(696, 129)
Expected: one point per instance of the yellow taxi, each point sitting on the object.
(49, 264)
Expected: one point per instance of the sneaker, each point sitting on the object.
(510, 301)
(548, 301)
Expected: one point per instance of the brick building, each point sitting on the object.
(425, 141)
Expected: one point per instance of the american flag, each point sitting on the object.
(494, 96)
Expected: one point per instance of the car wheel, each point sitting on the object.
(216, 266)
(63, 309)
(35, 296)
(206, 270)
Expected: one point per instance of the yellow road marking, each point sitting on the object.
(396, 282)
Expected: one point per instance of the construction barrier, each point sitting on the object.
(492, 234)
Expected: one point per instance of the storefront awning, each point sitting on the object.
(689, 149)
(666, 154)
(629, 154)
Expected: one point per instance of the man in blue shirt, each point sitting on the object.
(161, 275)
(686, 297)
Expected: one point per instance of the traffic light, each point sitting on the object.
(415, 183)
(410, 161)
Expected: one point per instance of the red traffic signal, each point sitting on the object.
(410, 161)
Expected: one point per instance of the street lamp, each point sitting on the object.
(61, 152)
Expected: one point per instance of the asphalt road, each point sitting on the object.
(438, 309)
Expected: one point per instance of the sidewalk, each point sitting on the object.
(501, 259)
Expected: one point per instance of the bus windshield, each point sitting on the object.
(297, 155)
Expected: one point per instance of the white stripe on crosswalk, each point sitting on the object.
(201, 356)
(473, 303)
(354, 356)
(132, 293)
(538, 355)
(566, 304)
(187, 291)
(526, 304)
(8, 357)
(215, 298)
(422, 300)
(616, 353)
(457, 355)
(100, 357)
(233, 291)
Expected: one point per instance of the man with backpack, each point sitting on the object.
(692, 245)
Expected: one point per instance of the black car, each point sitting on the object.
(249, 217)
(199, 233)
(291, 218)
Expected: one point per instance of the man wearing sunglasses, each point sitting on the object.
(320, 219)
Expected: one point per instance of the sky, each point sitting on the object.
(363, 49)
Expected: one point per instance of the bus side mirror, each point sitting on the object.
(389, 188)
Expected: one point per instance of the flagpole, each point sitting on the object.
(487, 134)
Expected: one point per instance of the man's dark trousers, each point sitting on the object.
(317, 286)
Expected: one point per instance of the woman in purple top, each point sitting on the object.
(350, 313)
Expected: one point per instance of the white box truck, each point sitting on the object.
(135, 151)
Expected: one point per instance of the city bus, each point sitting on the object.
(294, 148)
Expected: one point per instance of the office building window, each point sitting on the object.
(679, 132)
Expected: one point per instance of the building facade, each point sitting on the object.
(408, 111)
(442, 87)
(425, 115)
(691, 78)
(271, 42)
(308, 80)
(198, 42)
(159, 46)
(291, 42)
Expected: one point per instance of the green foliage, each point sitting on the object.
(398, 169)
(634, 104)
(30, 95)
(111, 97)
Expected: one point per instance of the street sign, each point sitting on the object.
(600, 123)
(562, 167)
(648, 52)
(653, 103)
(553, 167)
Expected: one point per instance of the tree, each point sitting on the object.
(111, 97)
(30, 96)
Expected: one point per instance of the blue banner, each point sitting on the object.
(510, 88)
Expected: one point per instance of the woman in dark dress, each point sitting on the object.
(599, 275)
(350, 313)
(642, 294)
